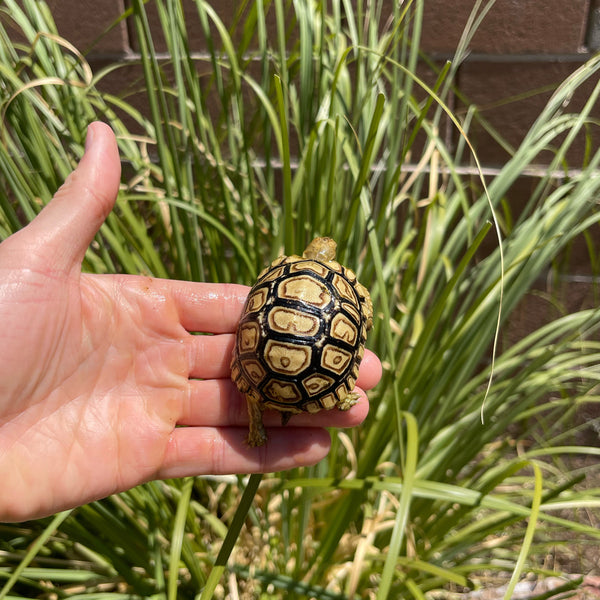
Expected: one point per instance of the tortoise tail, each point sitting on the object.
(285, 417)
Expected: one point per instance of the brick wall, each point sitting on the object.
(520, 52)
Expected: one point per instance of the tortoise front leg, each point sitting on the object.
(257, 435)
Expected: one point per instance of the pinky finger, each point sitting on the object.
(223, 450)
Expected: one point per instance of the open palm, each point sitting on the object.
(103, 384)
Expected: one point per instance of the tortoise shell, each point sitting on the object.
(301, 337)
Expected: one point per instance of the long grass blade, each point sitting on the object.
(232, 535)
(529, 533)
(33, 551)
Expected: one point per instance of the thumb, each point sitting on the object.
(64, 229)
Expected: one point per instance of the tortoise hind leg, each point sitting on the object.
(257, 435)
(348, 402)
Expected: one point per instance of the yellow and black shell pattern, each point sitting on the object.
(302, 335)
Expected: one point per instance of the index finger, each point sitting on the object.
(207, 307)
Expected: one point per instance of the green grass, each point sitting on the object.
(464, 467)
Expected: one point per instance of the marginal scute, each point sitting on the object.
(349, 275)
(271, 274)
(309, 265)
(301, 337)
(313, 407)
(342, 390)
(328, 401)
(249, 334)
(255, 370)
(257, 299)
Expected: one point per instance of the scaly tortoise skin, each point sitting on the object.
(301, 337)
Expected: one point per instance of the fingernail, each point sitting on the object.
(89, 138)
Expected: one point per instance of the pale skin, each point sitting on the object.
(97, 371)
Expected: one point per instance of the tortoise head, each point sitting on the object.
(321, 248)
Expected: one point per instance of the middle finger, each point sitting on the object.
(209, 356)
(217, 403)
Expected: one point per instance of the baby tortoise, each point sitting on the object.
(301, 337)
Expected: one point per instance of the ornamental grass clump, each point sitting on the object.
(305, 119)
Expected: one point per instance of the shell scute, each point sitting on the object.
(255, 371)
(271, 273)
(249, 337)
(346, 289)
(292, 321)
(335, 359)
(257, 299)
(282, 392)
(304, 288)
(317, 383)
(286, 358)
(342, 328)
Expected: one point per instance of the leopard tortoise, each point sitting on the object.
(301, 337)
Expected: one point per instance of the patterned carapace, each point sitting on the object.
(301, 337)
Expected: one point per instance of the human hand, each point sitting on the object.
(99, 373)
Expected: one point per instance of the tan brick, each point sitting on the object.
(511, 26)
(512, 95)
(82, 22)
(575, 259)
